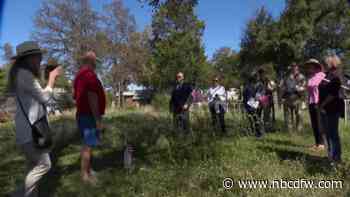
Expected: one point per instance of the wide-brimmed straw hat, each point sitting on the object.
(314, 62)
(27, 48)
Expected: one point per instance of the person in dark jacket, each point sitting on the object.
(252, 106)
(265, 87)
(180, 103)
(331, 107)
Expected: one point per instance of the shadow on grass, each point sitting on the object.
(138, 128)
(313, 164)
(142, 130)
(279, 142)
(243, 126)
(65, 134)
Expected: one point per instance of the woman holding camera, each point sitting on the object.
(31, 99)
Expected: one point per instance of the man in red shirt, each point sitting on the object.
(91, 103)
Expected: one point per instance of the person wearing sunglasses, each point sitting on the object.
(180, 103)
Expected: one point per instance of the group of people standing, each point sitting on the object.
(182, 98)
(323, 91)
(326, 106)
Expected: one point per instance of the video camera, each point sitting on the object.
(50, 66)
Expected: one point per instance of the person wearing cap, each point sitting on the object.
(180, 103)
(315, 71)
(217, 101)
(24, 83)
(293, 89)
(332, 106)
(91, 104)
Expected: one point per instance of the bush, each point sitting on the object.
(109, 98)
(160, 101)
(4, 117)
(65, 101)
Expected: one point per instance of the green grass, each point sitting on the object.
(170, 164)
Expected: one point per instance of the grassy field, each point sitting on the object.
(171, 164)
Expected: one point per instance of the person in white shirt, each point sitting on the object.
(217, 100)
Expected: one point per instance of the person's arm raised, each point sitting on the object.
(29, 83)
(52, 77)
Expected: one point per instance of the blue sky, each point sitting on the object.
(225, 19)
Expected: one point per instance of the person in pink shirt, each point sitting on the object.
(316, 75)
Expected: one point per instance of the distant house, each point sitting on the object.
(136, 98)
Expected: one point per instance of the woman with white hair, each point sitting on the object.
(217, 101)
(331, 106)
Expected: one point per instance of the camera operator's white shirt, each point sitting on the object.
(217, 90)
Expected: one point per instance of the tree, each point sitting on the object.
(331, 30)
(8, 52)
(226, 64)
(310, 28)
(124, 55)
(295, 28)
(7, 55)
(66, 29)
(258, 42)
(176, 44)
(142, 47)
(157, 3)
(4, 70)
(306, 29)
(3, 80)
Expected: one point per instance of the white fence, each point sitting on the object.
(237, 107)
